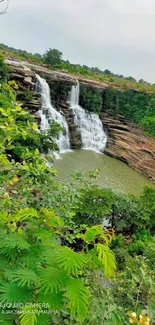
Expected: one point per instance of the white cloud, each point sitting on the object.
(133, 6)
(114, 34)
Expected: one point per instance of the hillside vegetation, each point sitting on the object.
(136, 102)
(57, 264)
(54, 59)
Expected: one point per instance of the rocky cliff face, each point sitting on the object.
(126, 141)
(26, 92)
(60, 86)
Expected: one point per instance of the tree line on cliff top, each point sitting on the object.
(54, 57)
(135, 106)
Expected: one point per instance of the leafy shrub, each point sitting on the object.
(122, 257)
(7, 96)
(32, 258)
(149, 253)
(148, 203)
(143, 235)
(94, 205)
(117, 241)
(126, 214)
(140, 241)
(23, 131)
(136, 248)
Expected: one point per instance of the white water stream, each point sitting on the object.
(48, 114)
(87, 124)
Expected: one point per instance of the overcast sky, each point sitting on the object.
(115, 34)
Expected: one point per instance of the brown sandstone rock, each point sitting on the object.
(128, 142)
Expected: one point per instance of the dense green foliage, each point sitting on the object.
(21, 54)
(117, 80)
(36, 267)
(56, 265)
(17, 140)
(90, 99)
(53, 57)
(135, 106)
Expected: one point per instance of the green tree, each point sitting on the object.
(107, 72)
(130, 78)
(94, 205)
(126, 214)
(53, 57)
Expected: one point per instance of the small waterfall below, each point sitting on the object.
(48, 114)
(87, 124)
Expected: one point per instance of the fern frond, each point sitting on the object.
(6, 319)
(36, 249)
(2, 233)
(50, 256)
(12, 293)
(28, 315)
(46, 237)
(93, 260)
(70, 261)
(25, 277)
(94, 232)
(3, 263)
(12, 241)
(52, 280)
(107, 259)
(55, 301)
(33, 257)
(78, 296)
(43, 319)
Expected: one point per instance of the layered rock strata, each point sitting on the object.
(126, 140)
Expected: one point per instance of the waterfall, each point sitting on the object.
(87, 124)
(48, 114)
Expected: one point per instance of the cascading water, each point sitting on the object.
(88, 124)
(48, 114)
